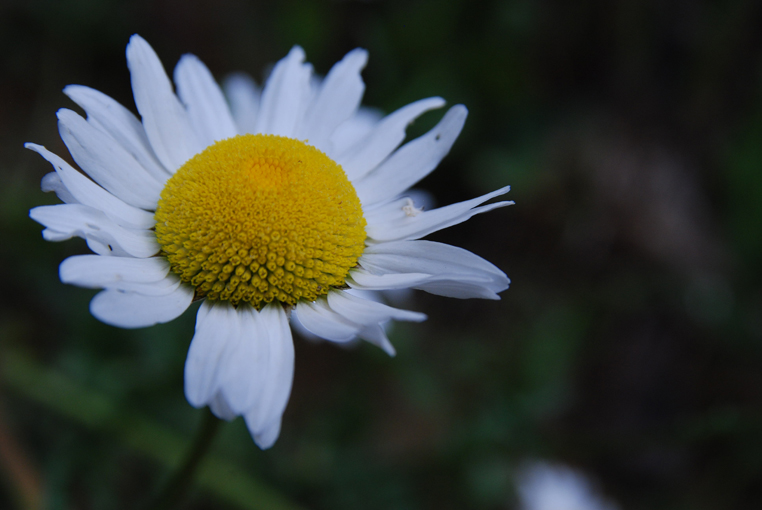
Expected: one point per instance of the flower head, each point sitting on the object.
(287, 203)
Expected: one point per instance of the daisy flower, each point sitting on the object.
(285, 203)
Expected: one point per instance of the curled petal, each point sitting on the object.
(81, 190)
(65, 221)
(137, 310)
(146, 276)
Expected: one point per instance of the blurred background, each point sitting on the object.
(629, 345)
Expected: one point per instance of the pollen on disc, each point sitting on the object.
(257, 218)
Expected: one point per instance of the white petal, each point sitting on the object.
(65, 221)
(118, 122)
(95, 245)
(52, 182)
(242, 362)
(165, 120)
(461, 289)
(95, 271)
(264, 419)
(454, 270)
(133, 310)
(161, 288)
(298, 327)
(86, 192)
(377, 336)
(149, 276)
(407, 226)
(370, 295)
(55, 236)
(373, 334)
(412, 162)
(367, 312)
(393, 211)
(266, 435)
(244, 366)
(285, 95)
(367, 153)
(204, 102)
(362, 279)
(318, 318)
(342, 317)
(219, 406)
(338, 98)
(108, 163)
(216, 326)
(352, 130)
(243, 95)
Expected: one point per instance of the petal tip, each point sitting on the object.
(188, 58)
(390, 350)
(265, 437)
(136, 39)
(73, 90)
(34, 214)
(361, 54)
(297, 52)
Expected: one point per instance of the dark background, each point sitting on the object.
(628, 346)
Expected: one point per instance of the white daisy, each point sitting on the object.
(266, 205)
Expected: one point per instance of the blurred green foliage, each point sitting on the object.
(629, 345)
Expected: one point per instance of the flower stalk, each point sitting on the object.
(175, 489)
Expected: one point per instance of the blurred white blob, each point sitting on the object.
(546, 486)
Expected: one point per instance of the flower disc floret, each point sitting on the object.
(257, 218)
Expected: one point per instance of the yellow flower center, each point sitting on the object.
(257, 218)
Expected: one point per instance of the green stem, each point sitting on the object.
(176, 487)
